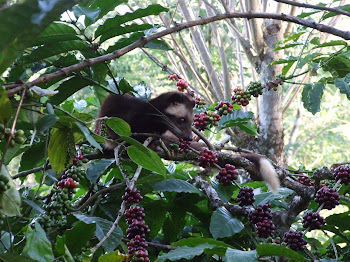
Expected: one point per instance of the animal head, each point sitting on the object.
(178, 109)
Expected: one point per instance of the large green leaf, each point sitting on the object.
(33, 156)
(265, 249)
(241, 119)
(224, 192)
(56, 32)
(11, 257)
(150, 161)
(185, 252)
(37, 247)
(5, 107)
(311, 96)
(344, 85)
(119, 126)
(240, 256)
(116, 21)
(342, 221)
(104, 5)
(61, 149)
(339, 65)
(176, 185)
(22, 22)
(120, 30)
(97, 168)
(223, 224)
(68, 88)
(91, 14)
(88, 136)
(56, 48)
(102, 227)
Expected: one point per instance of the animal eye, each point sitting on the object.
(182, 120)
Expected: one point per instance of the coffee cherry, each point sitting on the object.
(200, 121)
(305, 181)
(342, 173)
(227, 175)
(241, 97)
(295, 240)
(328, 197)
(246, 196)
(206, 158)
(265, 228)
(132, 196)
(181, 85)
(200, 101)
(313, 220)
(184, 146)
(260, 213)
(224, 108)
(134, 213)
(255, 88)
(213, 118)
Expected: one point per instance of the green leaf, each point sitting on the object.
(287, 46)
(240, 256)
(331, 43)
(121, 30)
(68, 88)
(56, 32)
(11, 257)
(91, 14)
(341, 220)
(61, 149)
(223, 224)
(46, 122)
(33, 156)
(308, 58)
(37, 246)
(102, 227)
(331, 14)
(124, 86)
(224, 192)
(112, 23)
(77, 237)
(115, 256)
(104, 5)
(97, 168)
(88, 137)
(195, 241)
(176, 185)
(277, 250)
(339, 66)
(158, 44)
(32, 17)
(344, 85)
(10, 200)
(240, 119)
(56, 48)
(119, 126)
(5, 106)
(311, 96)
(150, 161)
(184, 253)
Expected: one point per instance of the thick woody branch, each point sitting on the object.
(144, 40)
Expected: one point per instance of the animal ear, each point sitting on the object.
(176, 98)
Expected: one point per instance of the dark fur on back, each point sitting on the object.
(150, 116)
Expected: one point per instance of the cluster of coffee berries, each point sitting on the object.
(295, 240)
(327, 197)
(200, 121)
(184, 145)
(224, 108)
(207, 158)
(260, 213)
(200, 102)
(261, 216)
(87, 149)
(182, 85)
(313, 220)
(136, 233)
(241, 97)
(19, 137)
(132, 196)
(255, 88)
(213, 118)
(174, 77)
(265, 229)
(67, 183)
(342, 173)
(74, 172)
(306, 181)
(227, 175)
(4, 183)
(59, 204)
(245, 196)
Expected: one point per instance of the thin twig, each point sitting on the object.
(205, 140)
